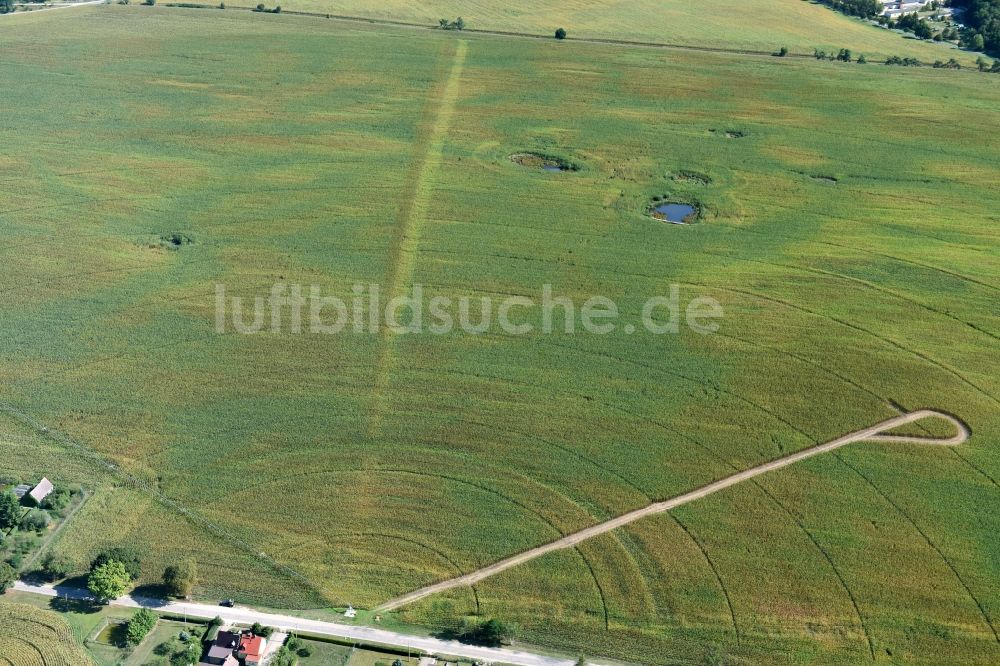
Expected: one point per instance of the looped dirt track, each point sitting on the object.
(875, 433)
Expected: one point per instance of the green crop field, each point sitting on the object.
(730, 24)
(34, 637)
(848, 228)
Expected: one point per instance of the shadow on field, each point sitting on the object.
(467, 637)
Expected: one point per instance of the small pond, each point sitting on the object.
(675, 213)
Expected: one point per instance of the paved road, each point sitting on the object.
(874, 433)
(247, 616)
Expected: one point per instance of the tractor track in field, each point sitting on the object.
(876, 433)
(433, 130)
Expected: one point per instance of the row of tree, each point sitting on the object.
(843, 55)
(457, 24)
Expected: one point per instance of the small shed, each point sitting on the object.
(41, 491)
(21, 490)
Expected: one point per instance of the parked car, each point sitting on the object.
(228, 603)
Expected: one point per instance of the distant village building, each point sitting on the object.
(900, 7)
(41, 491)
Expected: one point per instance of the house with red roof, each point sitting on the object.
(252, 648)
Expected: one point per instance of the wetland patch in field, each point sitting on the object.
(691, 177)
(543, 162)
(175, 240)
(730, 133)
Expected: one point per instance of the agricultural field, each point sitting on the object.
(33, 637)
(847, 225)
(756, 25)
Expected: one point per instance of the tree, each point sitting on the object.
(57, 567)
(149, 2)
(57, 501)
(7, 577)
(126, 556)
(108, 581)
(492, 632)
(142, 623)
(844, 55)
(10, 511)
(459, 23)
(862, 60)
(181, 578)
(284, 657)
(6, 6)
(190, 653)
(978, 42)
(582, 661)
(783, 51)
(561, 33)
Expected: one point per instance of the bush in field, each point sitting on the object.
(57, 501)
(844, 55)
(141, 624)
(149, 3)
(561, 33)
(181, 578)
(36, 520)
(782, 52)
(108, 581)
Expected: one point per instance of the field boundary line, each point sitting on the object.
(345, 18)
(872, 433)
(412, 213)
